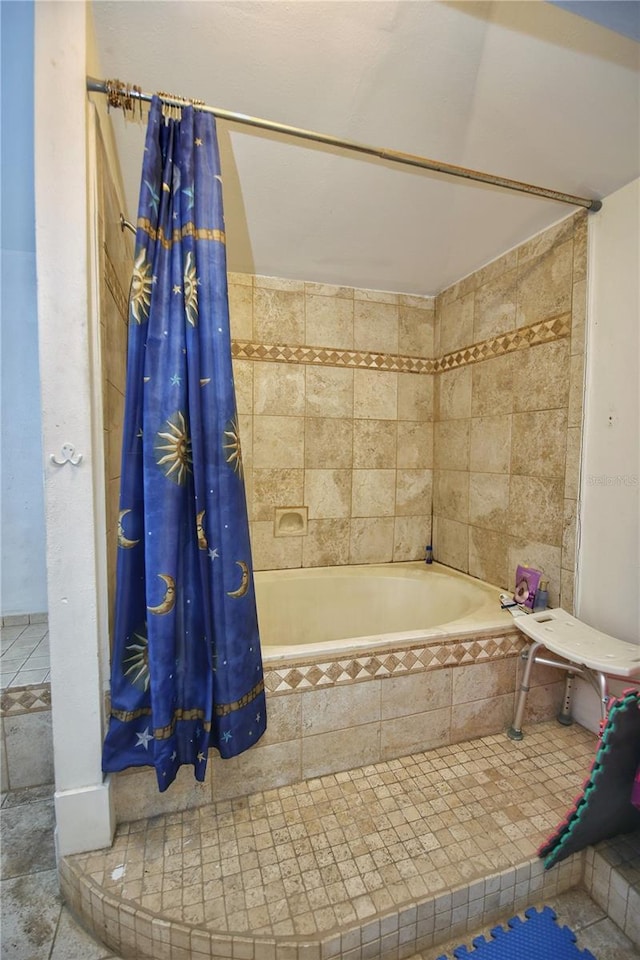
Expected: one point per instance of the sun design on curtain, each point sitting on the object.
(186, 665)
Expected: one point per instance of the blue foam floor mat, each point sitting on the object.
(538, 937)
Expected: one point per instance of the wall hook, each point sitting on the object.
(69, 455)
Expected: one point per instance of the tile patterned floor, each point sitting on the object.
(24, 653)
(350, 856)
(481, 783)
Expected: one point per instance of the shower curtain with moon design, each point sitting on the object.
(186, 665)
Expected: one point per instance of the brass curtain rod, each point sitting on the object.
(124, 95)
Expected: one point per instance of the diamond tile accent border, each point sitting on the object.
(379, 861)
(281, 677)
(544, 332)
(31, 699)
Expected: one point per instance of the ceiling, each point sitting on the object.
(526, 90)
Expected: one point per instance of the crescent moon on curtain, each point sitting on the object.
(202, 537)
(244, 583)
(123, 541)
(169, 599)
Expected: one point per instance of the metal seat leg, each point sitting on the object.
(515, 730)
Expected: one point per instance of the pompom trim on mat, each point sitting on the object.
(617, 759)
(538, 937)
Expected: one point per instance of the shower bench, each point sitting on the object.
(586, 652)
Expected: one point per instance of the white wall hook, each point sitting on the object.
(69, 455)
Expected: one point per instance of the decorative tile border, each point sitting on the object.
(18, 700)
(283, 678)
(543, 332)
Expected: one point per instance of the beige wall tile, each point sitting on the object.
(490, 444)
(415, 693)
(453, 394)
(273, 553)
(275, 765)
(410, 537)
(480, 681)
(278, 315)
(329, 392)
(451, 445)
(572, 467)
(576, 389)
(328, 443)
(413, 493)
(284, 720)
(415, 396)
(243, 383)
(326, 543)
(371, 540)
(278, 283)
(451, 494)
(497, 267)
(327, 493)
(415, 331)
(327, 290)
(279, 389)
(415, 300)
(495, 307)
(424, 731)
(569, 534)
(578, 317)
(374, 444)
(481, 718)
(488, 552)
(540, 376)
(136, 794)
(331, 752)
(244, 279)
(492, 387)
(451, 543)
(373, 493)
(375, 326)
(278, 442)
(329, 322)
(580, 241)
(567, 590)
(545, 241)
(540, 556)
(379, 296)
(544, 285)
(544, 702)
(375, 395)
(241, 311)
(535, 508)
(456, 325)
(539, 443)
(489, 501)
(276, 487)
(415, 444)
(340, 707)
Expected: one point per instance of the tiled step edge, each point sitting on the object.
(607, 885)
(135, 932)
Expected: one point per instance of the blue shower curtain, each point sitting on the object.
(186, 669)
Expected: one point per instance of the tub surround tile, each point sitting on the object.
(329, 392)
(410, 537)
(451, 443)
(414, 444)
(540, 377)
(375, 395)
(402, 695)
(490, 444)
(454, 394)
(415, 397)
(478, 717)
(413, 494)
(278, 389)
(327, 493)
(335, 751)
(373, 493)
(483, 681)
(495, 307)
(327, 543)
(451, 494)
(539, 443)
(489, 501)
(278, 441)
(415, 327)
(456, 324)
(371, 540)
(276, 487)
(271, 552)
(488, 557)
(576, 390)
(329, 321)
(451, 543)
(241, 310)
(337, 708)
(572, 466)
(417, 732)
(374, 444)
(544, 285)
(278, 314)
(536, 508)
(541, 556)
(328, 443)
(492, 386)
(375, 326)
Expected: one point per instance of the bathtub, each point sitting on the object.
(327, 611)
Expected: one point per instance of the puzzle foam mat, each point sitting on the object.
(604, 808)
(537, 937)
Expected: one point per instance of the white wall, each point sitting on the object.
(23, 583)
(608, 590)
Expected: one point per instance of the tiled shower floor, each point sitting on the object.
(375, 860)
(24, 653)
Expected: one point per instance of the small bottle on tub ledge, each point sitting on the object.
(428, 553)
